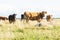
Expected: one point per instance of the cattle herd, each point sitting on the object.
(38, 16)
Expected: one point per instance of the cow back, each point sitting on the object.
(31, 14)
(3, 18)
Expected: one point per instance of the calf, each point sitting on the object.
(49, 18)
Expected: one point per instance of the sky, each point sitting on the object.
(8, 7)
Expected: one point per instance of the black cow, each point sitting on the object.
(12, 18)
(22, 17)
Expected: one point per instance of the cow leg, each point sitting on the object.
(23, 20)
(27, 20)
(10, 21)
(13, 22)
(39, 22)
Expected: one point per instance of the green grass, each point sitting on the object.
(13, 32)
(35, 34)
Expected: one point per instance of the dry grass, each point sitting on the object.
(30, 31)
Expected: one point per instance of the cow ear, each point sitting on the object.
(44, 12)
(14, 14)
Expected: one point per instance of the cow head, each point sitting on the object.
(14, 14)
(49, 15)
(43, 13)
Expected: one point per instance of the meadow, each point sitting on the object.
(30, 31)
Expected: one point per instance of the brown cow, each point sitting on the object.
(49, 18)
(34, 15)
(3, 18)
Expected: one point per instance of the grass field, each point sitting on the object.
(30, 31)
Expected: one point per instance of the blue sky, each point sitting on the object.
(8, 7)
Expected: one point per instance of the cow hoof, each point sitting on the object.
(39, 25)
